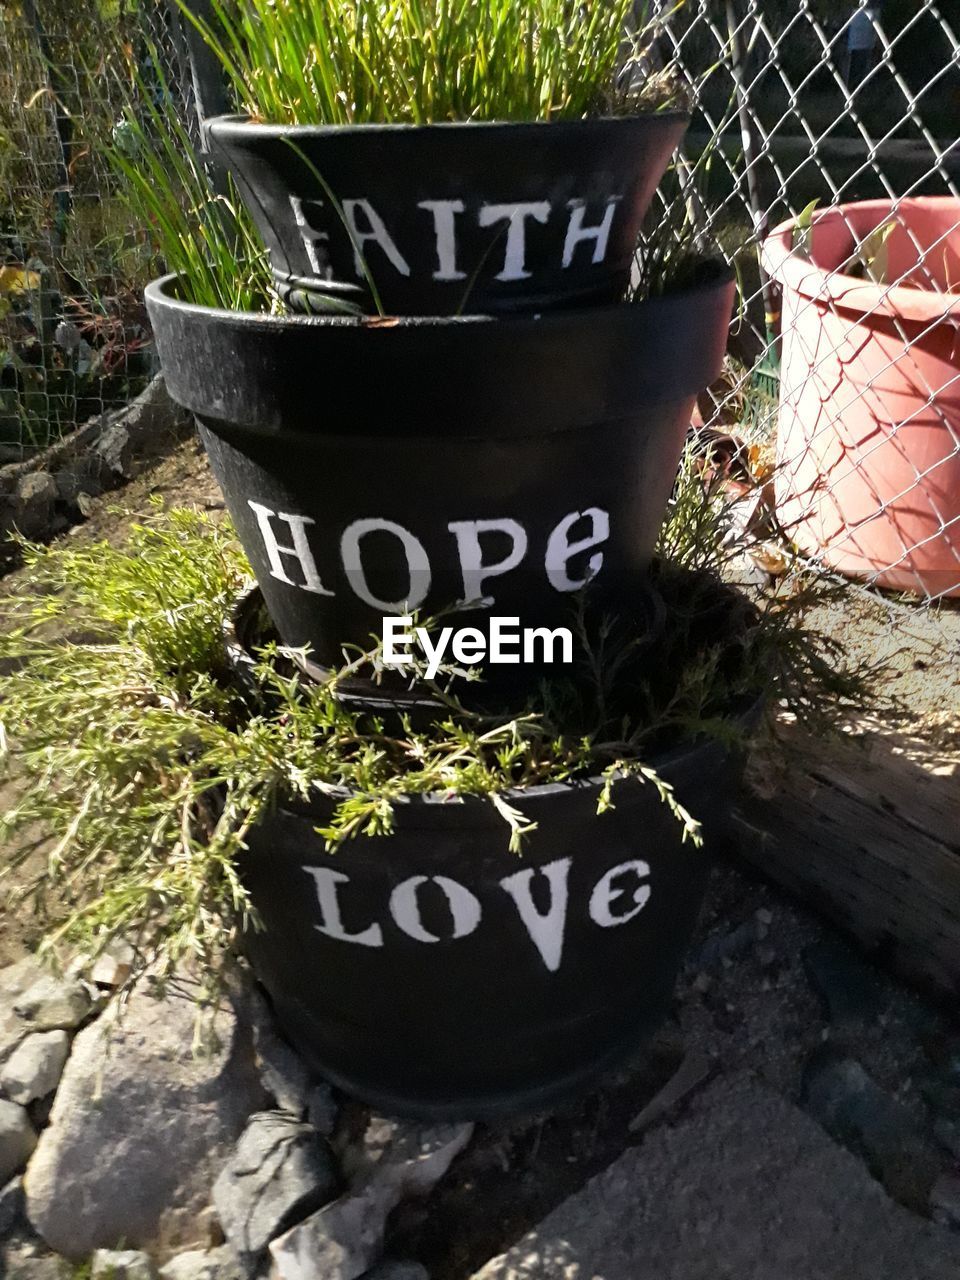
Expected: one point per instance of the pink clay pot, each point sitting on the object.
(868, 448)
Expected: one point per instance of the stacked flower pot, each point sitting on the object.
(868, 465)
(493, 427)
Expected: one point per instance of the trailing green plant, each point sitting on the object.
(132, 745)
(208, 238)
(427, 61)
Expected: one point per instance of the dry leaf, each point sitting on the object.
(771, 558)
(16, 279)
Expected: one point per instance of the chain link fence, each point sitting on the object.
(843, 386)
(842, 393)
(74, 338)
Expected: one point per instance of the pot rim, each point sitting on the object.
(746, 712)
(848, 293)
(239, 125)
(160, 293)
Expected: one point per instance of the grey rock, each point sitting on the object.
(26, 1245)
(282, 1070)
(728, 945)
(34, 1068)
(115, 449)
(194, 1264)
(68, 484)
(85, 501)
(322, 1109)
(945, 1200)
(384, 1132)
(744, 1187)
(390, 1270)
(340, 1242)
(380, 1134)
(53, 1003)
(11, 1206)
(14, 980)
(345, 1238)
(17, 1139)
(153, 416)
(122, 1264)
(204, 1264)
(403, 1150)
(22, 1265)
(141, 1125)
(767, 957)
(411, 1156)
(78, 481)
(942, 1097)
(856, 1111)
(9, 511)
(211, 1232)
(851, 991)
(113, 966)
(943, 1049)
(19, 977)
(36, 496)
(280, 1172)
(947, 1133)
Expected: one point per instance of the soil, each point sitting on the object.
(181, 479)
(918, 649)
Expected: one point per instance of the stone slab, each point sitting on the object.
(745, 1186)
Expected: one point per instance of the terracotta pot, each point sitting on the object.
(869, 434)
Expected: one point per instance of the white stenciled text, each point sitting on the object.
(539, 896)
(586, 234)
(571, 555)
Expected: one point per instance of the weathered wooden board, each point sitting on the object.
(867, 830)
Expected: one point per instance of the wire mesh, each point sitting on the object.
(74, 339)
(846, 372)
(840, 387)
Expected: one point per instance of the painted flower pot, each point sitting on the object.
(869, 434)
(433, 973)
(451, 218)
(372, 468)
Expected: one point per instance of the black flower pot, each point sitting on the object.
(451, 218)
(369, 467)
(435, 974)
